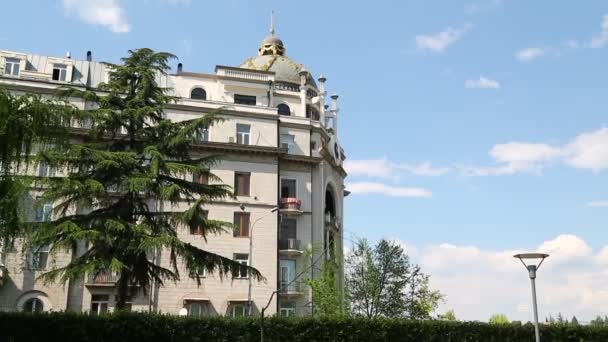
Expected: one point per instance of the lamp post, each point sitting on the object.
(273, 210)
(532, 267)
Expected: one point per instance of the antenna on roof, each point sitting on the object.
(272, 22)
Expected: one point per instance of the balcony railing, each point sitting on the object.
(294, 288)
(103, 278)
(289, 244)
(290, 203)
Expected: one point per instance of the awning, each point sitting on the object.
(198, 299)
(238, 298)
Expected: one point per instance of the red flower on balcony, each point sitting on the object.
(290, 203)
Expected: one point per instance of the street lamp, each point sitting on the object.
(273, 210)
(532, 267)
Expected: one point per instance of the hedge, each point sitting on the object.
(149, 327)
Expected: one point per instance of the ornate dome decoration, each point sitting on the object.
(271, 57)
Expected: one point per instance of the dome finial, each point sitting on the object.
(272, 23)
(272, 45)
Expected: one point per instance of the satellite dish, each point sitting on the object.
(183, 312)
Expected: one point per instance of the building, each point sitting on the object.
(280, 149)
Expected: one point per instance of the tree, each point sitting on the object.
(598, 321)
(498, 319)
(127, 187)
(383, 283)
(574, 321)
(448, 316)
(26, 122)
(325, 292)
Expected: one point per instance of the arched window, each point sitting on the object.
(284, 109)
(198, 94)
(33, 305)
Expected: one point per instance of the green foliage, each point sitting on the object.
(383, 283)
(448, 316)
(126, 186)
(499, 319)
(134, 327)
(325, 292)
(599, 321)
(26, 121)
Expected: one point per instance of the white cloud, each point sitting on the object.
(442, 40)
(386, 190)
(601, 39)
(382, 168)
(106, 13)
(480, 282)
(529, 54)
(598, 204)
(588, 151)
(482, 83)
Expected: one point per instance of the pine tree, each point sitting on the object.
(26, 123)
(127, 187)
(574, 321)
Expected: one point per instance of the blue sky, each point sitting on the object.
(472, 128)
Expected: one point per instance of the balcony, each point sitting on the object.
(102, 279)
(291, 289)
(291, 206)
(290, 247)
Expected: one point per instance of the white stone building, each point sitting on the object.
(280, 149)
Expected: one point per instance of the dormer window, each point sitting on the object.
(11, 66)
(60, 72)
(198, 94)
(283, 109)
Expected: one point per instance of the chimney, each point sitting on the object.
(68, 55)
(334, 111)
(180, 66)
(89, 56)
(322, 94)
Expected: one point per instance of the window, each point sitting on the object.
(288, 142)
(243, 133)
(43, 213)
(33, 305)
(312, 112)
(288, 229)
(200, 178)
(283, 109)
(244, 99)
(202, 135)
(59, 72)
(238, 310)
(241, 224)
(242, 259)
(199, 230)
(287, 274)
(242, 182)
(45, 170)
(196, 308)
(11, 66)
(288, 188)
(39, 256)
(198, 94)
(287, 309)
(99, 304)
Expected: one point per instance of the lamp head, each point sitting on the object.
(531, 261)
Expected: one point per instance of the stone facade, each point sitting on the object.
(294, 154)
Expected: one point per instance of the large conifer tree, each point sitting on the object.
(125, 187)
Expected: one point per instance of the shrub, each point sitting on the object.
(17, 327)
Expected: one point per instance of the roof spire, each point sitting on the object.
(272, 23)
